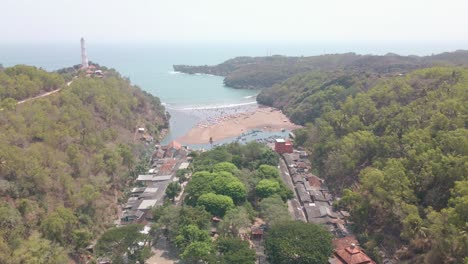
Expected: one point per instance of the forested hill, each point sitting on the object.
(22, 82)
(64, 159)
(264, 72)
(396, 149)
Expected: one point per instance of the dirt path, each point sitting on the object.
(42, 95)
(162, 253)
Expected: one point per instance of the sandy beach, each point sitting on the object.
(232, 125)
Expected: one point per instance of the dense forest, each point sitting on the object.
(306, 96)
(64, 159)
(396, 149)
(264, 72)
(235, 188)
(22, 82)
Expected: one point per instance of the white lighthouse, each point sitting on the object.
(84, 58)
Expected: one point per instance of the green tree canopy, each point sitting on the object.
(235, 250)
(198, 252)
(119, 241)
(274, 210)
(220, 182)
(189, 234)
(268, 172)
(298, 242)
(173, 189)
(266, 188)
(216, 204)
(59, 225)
(236, 218)
(225, 166)
(36, 250)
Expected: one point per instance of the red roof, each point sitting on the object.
(174, 144)
(353, 255)
(343, 242)
(314, 181)
(168, 166)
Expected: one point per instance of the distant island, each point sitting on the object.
(264, 72)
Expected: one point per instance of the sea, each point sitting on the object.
(149, 66)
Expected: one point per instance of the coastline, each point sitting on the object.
(232, 124)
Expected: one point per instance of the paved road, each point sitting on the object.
(294, 206)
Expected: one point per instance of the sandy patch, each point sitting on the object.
(265, 118)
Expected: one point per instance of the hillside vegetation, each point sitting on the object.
(22, 82)
(397, 150)
(264, 72)
(306, 96)
(63, 159)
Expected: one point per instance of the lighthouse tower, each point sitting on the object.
(84, 58)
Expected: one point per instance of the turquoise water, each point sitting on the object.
(150, 67)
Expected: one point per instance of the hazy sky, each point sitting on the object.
(245, 21)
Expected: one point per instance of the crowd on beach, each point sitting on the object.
(258, 135)
(213, 116)
(239, 123)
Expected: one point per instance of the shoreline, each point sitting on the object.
(230, 125)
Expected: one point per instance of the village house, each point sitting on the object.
(174, 145)
(131, 202)
(304, 195)
(135, 192)
(146, 204)
(314, 181)
(282, 146)
(151, 178)
(131, 216)
(158, 154)
(256, 233)
(151, 193)
(168, 166)
(352, 254)
(301, 166)
(148, 193)
(297, 178)
(184, 165)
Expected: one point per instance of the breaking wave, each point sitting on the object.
(207, 107)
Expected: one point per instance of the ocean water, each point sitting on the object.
(150, 67)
